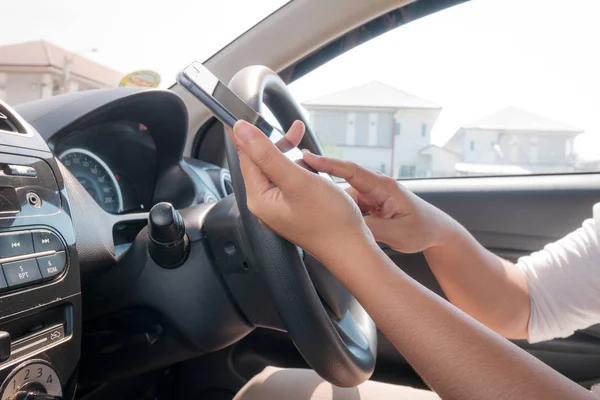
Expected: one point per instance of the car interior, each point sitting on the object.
(191, 299)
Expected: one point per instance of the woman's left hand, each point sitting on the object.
(303, 207)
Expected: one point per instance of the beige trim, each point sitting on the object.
(305, 384)
(296, 30)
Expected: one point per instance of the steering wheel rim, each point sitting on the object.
(340, 349)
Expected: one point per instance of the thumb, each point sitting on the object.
(259, 149)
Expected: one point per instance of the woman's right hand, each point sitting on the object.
(395, 215)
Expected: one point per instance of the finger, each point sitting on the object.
(254, 179)
(263, 154)
(292, 138)
(358, 177)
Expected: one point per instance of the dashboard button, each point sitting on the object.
(53, 265)
(15, 244)
(3, 285)
(20, 170)
(46, 240)
(21, 273)
(4, 346)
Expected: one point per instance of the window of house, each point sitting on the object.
(408, 171)
(452, 107)
(533, 150)
(514, 149)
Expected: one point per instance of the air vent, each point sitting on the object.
(9, 122)
(7, 125)
(226, 185)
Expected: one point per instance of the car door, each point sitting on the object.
(480, 110)
(512, 217)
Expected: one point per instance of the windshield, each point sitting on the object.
(99, 42)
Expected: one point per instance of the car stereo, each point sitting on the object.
(40, 295)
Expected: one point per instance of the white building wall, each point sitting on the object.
(373, 158)
(3, 77)
(21, 87)
(478, 147)
(366, 136)
(442, 163)
(47, 85)
(409, 138)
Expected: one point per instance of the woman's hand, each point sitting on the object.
(395, 215)
(303, 207)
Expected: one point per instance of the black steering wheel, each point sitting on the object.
(331, 330)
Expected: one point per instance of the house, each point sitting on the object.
(588, 165)
(514, 141)
(33, 70)
(436, 161)
(377, 126)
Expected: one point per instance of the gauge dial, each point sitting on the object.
(96, 177)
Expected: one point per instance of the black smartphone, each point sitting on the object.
(228, 108)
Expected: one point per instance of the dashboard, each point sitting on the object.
(78, 174)
(115, 162)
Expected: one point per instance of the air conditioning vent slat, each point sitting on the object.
(9, 123)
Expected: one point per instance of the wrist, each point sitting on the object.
(446, 229)
(351, 249)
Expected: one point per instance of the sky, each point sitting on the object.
(472, 59)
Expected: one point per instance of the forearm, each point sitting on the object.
(457, 356)
(483, 285)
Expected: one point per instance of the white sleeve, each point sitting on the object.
(564, 283)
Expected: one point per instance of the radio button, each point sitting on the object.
(46, 240)
(53, 265)
(21, 273)
(15, 244)
(3, 285)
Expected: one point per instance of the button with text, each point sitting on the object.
(46, 240)
(21, 273)
(15, 244)
(53, 265)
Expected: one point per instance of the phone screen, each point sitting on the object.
(228, 108)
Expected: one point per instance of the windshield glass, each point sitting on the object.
(99, 42)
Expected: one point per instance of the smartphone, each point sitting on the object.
(228, 108)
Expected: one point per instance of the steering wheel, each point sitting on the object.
(333, 333)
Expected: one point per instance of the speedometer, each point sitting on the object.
(96, 177)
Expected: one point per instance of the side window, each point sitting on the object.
(470, 90)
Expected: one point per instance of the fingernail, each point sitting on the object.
(299, 122)
(243, 130)
(306, 151)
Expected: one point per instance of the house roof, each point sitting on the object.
(373, 94)
(516, 119)
(428, 150)
(43, 54)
